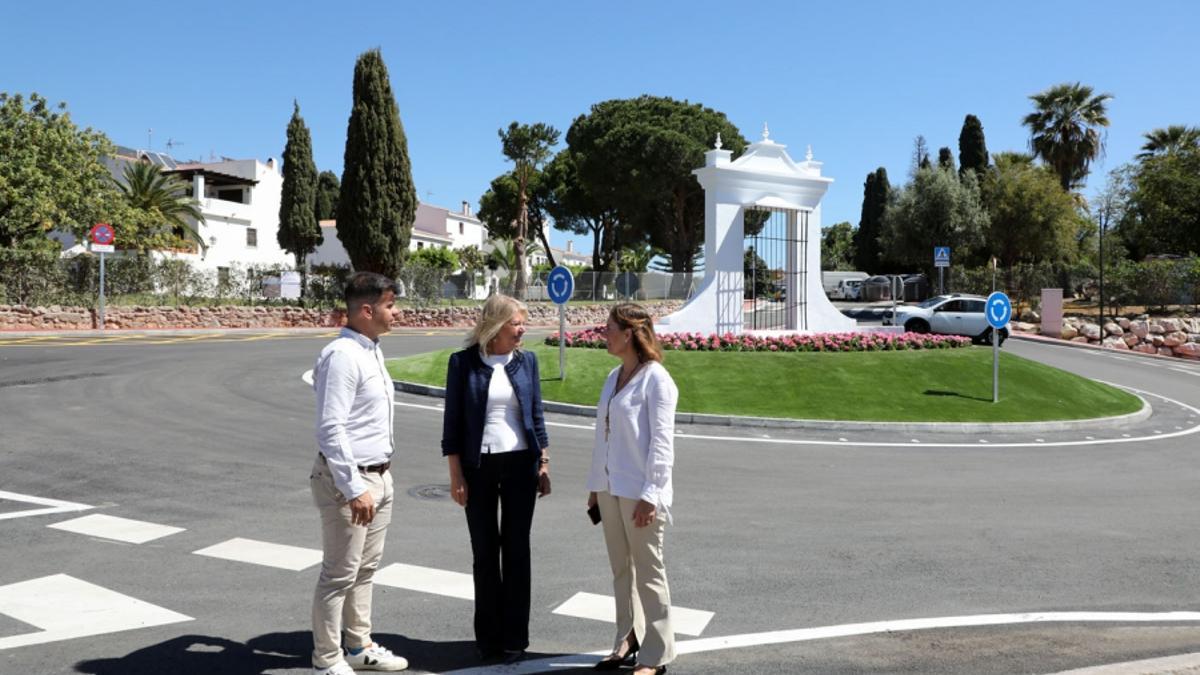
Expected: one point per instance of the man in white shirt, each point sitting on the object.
(350, 481)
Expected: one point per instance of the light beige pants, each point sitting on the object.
(639, 579)
(342, 601)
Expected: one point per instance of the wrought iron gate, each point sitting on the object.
(775, 258)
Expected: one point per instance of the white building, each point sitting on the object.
(433, 226)
(239, 200)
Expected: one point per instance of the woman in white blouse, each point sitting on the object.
(630, 481)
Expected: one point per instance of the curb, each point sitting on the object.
(1168, 665)
(838, 425)
(1041, 339)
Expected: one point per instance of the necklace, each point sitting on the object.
(619, 386)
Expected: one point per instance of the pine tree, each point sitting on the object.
(378, 201)
(972, 148)
(299, 233)
(876, 193)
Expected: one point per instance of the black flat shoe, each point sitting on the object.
(513, 656)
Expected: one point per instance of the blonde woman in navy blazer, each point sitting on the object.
(494, 439)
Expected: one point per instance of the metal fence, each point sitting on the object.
(43, 278)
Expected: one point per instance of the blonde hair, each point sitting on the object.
(635, 317)
(497, 311)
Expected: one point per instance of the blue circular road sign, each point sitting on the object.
(560, 285)
(998, 310)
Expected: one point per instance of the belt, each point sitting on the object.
(374, 468)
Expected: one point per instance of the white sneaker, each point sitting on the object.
(377, 657)
(339, 668)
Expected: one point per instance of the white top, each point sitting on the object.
(355, 408)
(636, 457)
(502, 430)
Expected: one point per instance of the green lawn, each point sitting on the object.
(944, 385)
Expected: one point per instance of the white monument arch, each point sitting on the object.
(781, 199)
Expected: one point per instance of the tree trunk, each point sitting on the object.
(541, 231)
(520, 280)
(596, 229)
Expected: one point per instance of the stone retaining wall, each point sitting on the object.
(55, 318)
(1148, 335)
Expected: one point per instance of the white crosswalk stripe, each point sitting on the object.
(602, 608)
(265, 553)
(116, 528)
(63, 607)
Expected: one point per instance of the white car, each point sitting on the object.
(956, 314)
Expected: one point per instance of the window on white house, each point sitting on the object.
(251, 237)
(420, 245)
(460, 228)
(223, 276)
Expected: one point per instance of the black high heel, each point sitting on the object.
(614, 662)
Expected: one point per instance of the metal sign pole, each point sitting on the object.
(995, 366)
(101, 317)
(562, 342)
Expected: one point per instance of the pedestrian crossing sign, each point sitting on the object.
(941, 256)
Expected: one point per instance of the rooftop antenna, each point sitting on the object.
(172, 143)
(149, 139)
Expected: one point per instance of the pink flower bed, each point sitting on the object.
(818, 342)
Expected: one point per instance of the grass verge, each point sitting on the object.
(944, 385)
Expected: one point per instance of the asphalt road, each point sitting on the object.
(774, 531)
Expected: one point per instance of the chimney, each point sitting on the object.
(570, 246)
(270, 162)
(466, 208)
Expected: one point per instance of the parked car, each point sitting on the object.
(956, 314)
(846, 289)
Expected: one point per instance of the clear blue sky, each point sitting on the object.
(858, 81)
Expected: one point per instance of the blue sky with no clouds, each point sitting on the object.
(856, 80)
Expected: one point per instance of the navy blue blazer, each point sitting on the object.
(467, 382)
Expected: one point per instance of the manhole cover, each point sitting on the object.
(430, 492)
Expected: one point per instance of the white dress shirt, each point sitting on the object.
(502, 431)
(355, 407)
(633, 458)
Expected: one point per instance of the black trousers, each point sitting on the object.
(501, 547)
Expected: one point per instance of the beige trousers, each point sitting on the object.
(639, 579)
(342, 601)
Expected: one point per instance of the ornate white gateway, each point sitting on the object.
(762, 246)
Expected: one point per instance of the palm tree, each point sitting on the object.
(504, 254)
(163, 198)
(1065, 130)
(1172, 139)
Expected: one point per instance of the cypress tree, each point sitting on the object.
(945, 159)
(377, 202)
(972, 148)
(328, 187)
(876, 192)
(299, 233)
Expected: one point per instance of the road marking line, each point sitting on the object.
(307, 377)
(846, 630)
(427, 580)
(64, 608)
(52, 506)
(603, 608)
(264, 553)
(116, 528)
(1185, 370)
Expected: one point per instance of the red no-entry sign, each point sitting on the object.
(102, 233)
